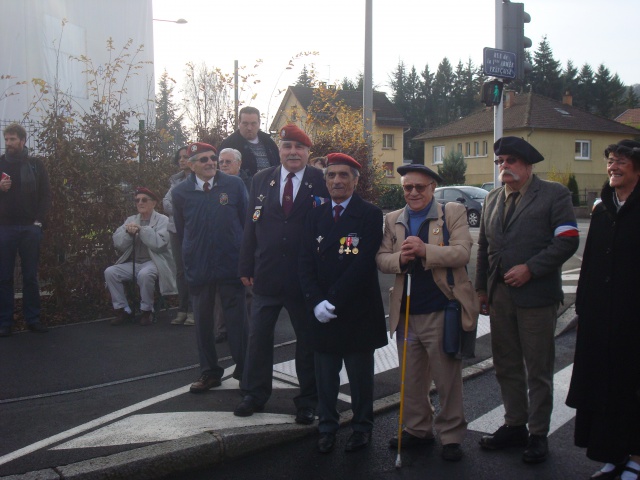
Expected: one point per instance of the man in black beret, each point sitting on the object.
(527, 231)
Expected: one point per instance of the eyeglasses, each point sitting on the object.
(621, 162)
(143, 200)
(408, 187)
(225, 162)
(509, 160)
(213, 158)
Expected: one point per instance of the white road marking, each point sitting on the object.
(491, 421)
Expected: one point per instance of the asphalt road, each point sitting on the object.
(88, 390)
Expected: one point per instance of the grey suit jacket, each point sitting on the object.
(542, 234)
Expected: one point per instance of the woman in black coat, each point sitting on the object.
(605, 386)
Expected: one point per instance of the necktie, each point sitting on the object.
(512, 208)
(336, 212)
(287, 196)
(206, 187)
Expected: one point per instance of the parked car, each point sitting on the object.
(471, 197)
(488, 186)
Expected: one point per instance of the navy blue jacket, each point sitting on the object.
(210, 226)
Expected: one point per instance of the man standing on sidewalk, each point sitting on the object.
(209, 209)
(25, 200)
(280, 199)
(528, 230)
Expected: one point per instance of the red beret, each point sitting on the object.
(294, 134)
(147, 192)
(342, 159)
(199, 147)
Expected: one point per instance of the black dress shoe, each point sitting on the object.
(357, 441)
(204, 383)
(247, 407)
(326, 442)
(504, 437)
(221, 338)
(409, 441)
(37, 327)
(305, 416)
(5, 331)
(451, 452)
(537, 449)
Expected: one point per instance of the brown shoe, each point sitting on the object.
(147, 318)
(121, 317)
(206, 382)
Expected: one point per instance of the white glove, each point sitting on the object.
(324, 311)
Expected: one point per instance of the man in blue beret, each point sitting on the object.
(527, 231)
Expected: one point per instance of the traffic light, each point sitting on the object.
(492, 92)
(513, 40)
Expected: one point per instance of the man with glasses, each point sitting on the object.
(209, 210)
(257, 148)
(414, 242)
(527, 231)
(230, 162)
(143, 240)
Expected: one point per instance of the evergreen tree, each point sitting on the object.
(356, 85)
(168, 122)
(585, 89)
(444, 111)
(454, 169)
(632, 100)
(305, 79)
(545, 76)
(570, 79)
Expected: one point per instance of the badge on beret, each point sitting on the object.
(194, 148)
(261, 197)
(256, 214)
(224, 199)
(283, 133)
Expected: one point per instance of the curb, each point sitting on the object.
(210, 448)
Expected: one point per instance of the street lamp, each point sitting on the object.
(180, 20)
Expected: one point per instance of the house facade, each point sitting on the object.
(571, 140)
(388, 123)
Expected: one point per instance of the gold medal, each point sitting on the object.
(341, 249)
(355, 250)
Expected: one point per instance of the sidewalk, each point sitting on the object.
(211, 447)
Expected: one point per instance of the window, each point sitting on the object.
(476, 149)
(459, 148)
(451, 195)
(467, 149)
(388, 169)
(387, 140)
(583, 149)
(484, 148)
(438, 154)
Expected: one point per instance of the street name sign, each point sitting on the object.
(499, 63)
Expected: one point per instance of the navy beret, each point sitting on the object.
(417, 167)
(519, 148)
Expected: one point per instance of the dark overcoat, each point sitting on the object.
(606, 372)
(271, 241)
(349, 281)
(249, 163)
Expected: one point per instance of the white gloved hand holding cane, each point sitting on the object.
(324, 311)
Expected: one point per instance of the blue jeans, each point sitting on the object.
(25, 241)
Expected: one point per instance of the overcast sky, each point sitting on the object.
(417, 32)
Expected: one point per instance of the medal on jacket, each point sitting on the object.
(261, 197)
(355, 241)
(341, 249)
(224, 199)
(256, 214)
(349, 242)
(272, 183)
(319, 240)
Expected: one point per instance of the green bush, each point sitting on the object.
(392, 197)
(572, 185)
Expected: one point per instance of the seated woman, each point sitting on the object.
(143, 240)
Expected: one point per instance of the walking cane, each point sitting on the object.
(404, 368)
(133, 261)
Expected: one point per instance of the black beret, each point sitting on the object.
(518, 147)
(417, 167)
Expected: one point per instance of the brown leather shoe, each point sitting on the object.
(147, 318)
(206, 382)
(121, 317)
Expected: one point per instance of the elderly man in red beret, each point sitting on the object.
(279, 201)
(345, 312)
(209, 212)
(143, 240)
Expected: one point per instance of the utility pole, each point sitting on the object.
(498, 110)
(367, 90)
(235, 94)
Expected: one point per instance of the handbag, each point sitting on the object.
(455, 340)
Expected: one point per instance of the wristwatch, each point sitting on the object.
(38, 224)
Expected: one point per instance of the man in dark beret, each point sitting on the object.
(209, 210)
(344, 305)
(280, 199)
(527, 231)
(414, 242)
